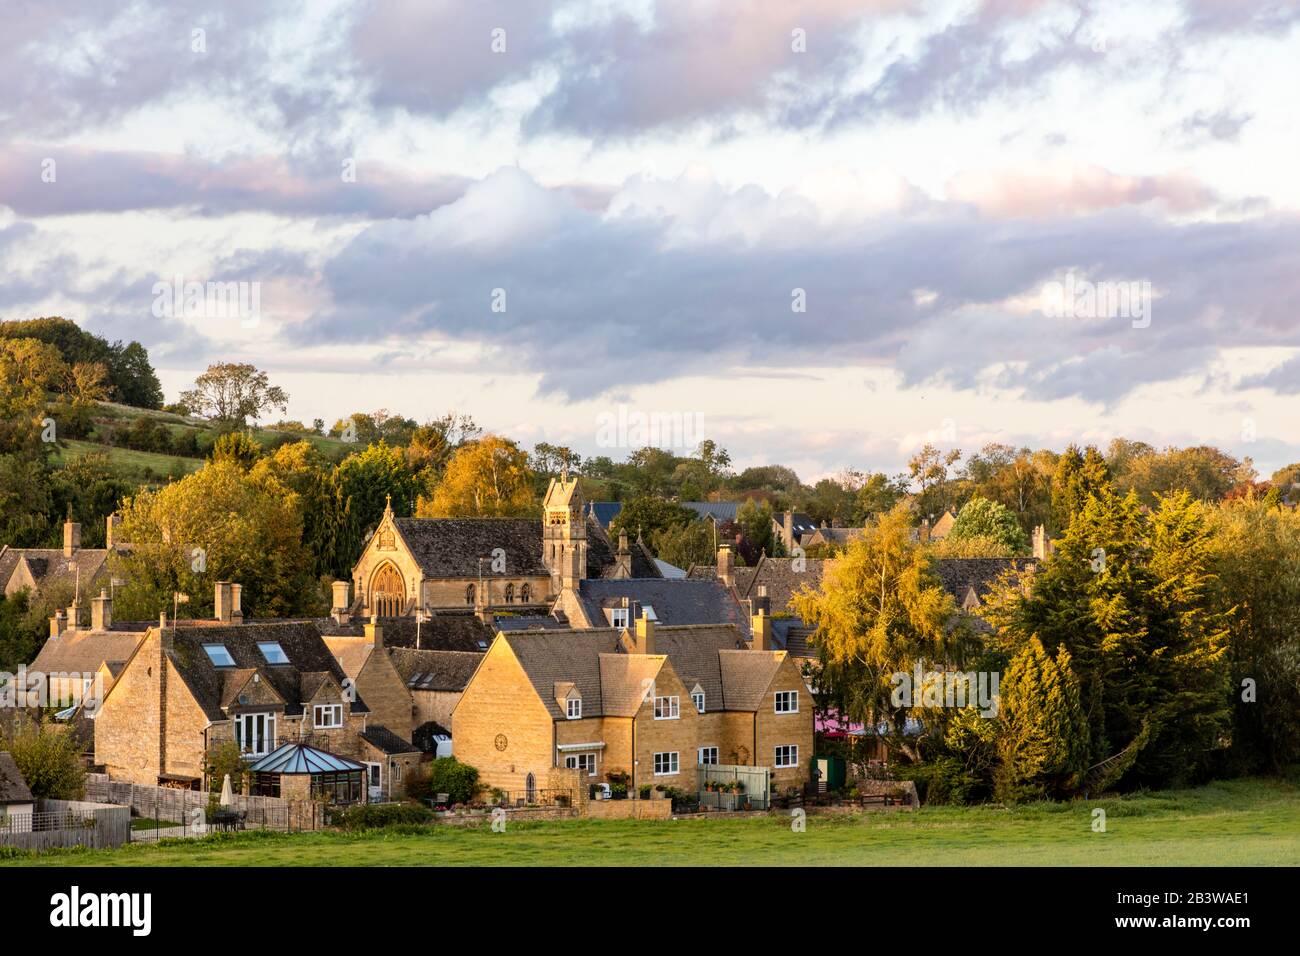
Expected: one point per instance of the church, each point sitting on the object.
(488, 565)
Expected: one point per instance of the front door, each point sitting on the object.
(375, 781)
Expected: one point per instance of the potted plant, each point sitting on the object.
(643, 791)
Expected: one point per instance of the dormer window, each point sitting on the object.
(697, 698)
(573, 708)
(273, 652)
(648, 612)
(618, 617)
(218, 655)
(327, 716)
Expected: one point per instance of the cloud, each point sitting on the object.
(672, 279)
(93, 180)
(1047, 190)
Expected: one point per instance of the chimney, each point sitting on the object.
(166, 635)
(787, 531)
(74, 614)
(1042, 546)
(923, 532)
(111, 524)
(223, 603)
(725, 566)
(71, 538)
(101, 612)
(237, 603)
(645, 635)
(375, 632)
(760, 626)
(58, 623)
(761, 601)
(483, 603)
(341, 603)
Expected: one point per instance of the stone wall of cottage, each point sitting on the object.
(386, 694)
(127, 728)
(775, 729)
(654, 736)
(500, 726)
(433, 705)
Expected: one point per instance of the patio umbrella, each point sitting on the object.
(227, 796)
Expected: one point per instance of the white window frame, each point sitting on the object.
(243, 721)
(319, 724)
(672, 758)
(791, 696)
(672, 705)
(576, 762)
(618, 617)
(698, 701)
(707, 751)
(792, 756)
(375, 781)
(569, 710)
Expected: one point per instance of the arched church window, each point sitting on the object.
(524, 593)
(510, 594)
(469, 595)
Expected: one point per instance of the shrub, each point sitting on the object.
(458, 780)
(49, 758)
(368, 816)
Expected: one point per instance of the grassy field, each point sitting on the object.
(1250, 822)
(127, 461)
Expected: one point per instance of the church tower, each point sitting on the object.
(564, 532)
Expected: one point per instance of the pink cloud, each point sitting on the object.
(1040, 191)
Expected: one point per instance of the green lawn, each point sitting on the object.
(128, 462)
(1246, 822)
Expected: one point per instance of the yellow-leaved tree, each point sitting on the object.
(488, 478)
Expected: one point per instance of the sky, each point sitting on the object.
(823, 232)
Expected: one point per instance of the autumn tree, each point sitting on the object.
(233, 393)
(981, 518)
(488, 478)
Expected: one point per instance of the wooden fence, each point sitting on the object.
(186, 807)
(81, 823)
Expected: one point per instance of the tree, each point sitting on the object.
(685, 545)
(48, 757)
(237, 448)
(232, 393)
(29, 370)
(131, 379)
(299, 470)
(878, 612)
(1043, 743)
(757, 536)
(488, 478)
(1078, 476)
(217, 524)
(648, 517)
(928, 469)
(981, 518)
(879, 493)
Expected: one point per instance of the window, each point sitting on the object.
(787, 702)
(708, 755)
(397, 773)
(787, 755)
(469, 595)
(327, 716)
(255, 733)
(618, 617)
(648, 612)
(510, 594)
(667, 708)
(219, 656)
(697, 699)
(273, 652)
(574, 710)
(341, 787)
(585, 762)
(374, 775)
(665, 763)
(525, 593)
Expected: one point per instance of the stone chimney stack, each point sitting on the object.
(726, 567)
(645, 635)
(71, 538)
(74, 614)
(760, 626)
(237, 603)
(221, 606)
(1042, 546)
(101, 612)
(787, 531)
(111, 526)
(375, 632)
(923, 533)
(166, 635)
(341, 602)
(58, 623)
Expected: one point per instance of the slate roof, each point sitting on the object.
(675, 601)
(612, 681)
(83, 651)
(800, 523)
(435, 670)
(604, 511)
(529, 622)
(351, 652)
(293, 758)
(451, 547)
(440, 632)
(423, 736)
(385, 741)
(669, 570)
(13, 788)
(310, 663)
(778, 575)
(718, 510)
(959, 575)
(48, 566)
(792, 635)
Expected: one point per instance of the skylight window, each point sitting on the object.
(219, 656)
(648, 612)
(273, 652)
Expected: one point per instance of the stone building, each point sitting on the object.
(655, 702)
(71, 568)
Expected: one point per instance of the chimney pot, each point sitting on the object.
(58, 623)
(101, 612)
(71, 538)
